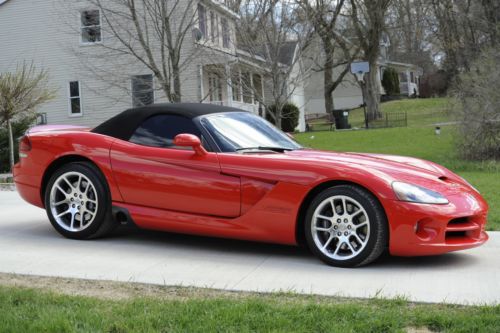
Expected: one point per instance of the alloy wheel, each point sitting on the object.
(340, 227)
(73, 201)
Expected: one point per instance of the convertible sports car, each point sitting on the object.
(219, 171)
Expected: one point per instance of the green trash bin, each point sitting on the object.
(341, 119)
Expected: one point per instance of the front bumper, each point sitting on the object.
(423, 229)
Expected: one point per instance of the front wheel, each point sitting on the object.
(77, 202)
(346, 226)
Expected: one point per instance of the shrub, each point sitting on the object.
(434, 84)
(18, 128)
(476, 107)
(390, 82)
(289, 116)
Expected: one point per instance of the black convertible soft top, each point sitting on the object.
(123, 125)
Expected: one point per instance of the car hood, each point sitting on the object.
(379, 161)
(391, 167)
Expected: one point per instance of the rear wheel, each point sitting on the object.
(346, 226)
(77, 202)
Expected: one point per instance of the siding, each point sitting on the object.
(46, 33)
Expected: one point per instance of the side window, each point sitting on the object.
(75, 105)
(90, 26)
(226, 33)
(160, 131)
(202, 20)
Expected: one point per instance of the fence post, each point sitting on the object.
(386, 119)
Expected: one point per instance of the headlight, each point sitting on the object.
(419, 194)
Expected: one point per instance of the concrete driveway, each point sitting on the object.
(29, 245)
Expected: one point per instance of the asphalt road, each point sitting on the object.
(29, 245)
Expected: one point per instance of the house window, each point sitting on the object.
(75, 103)
(202, 20)
(215, 88)
(90, 26)
(412, 77)
(142, 90)
(213, 27)
(225, 33)
(402, 77)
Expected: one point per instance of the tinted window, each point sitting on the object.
(160, 131)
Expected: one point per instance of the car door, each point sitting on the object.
(152, 172)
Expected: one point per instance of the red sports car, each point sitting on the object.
(220, 171)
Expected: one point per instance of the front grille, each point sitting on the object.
(456, 234)
(460, 220)
(462, 228)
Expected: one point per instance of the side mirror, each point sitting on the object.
(190, 140)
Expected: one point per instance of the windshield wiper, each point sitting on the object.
(276, 149)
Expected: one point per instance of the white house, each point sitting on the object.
(309, 95)
(66, 38)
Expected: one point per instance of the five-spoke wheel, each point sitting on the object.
(346, 226)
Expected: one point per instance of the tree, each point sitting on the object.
(270, 31)
(410, 33)
(150, 33)
(21, 93)
(476, 107)
(462, 29)
(324, 16)
(368, 21)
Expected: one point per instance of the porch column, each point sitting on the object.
(251, 85)
(408, 83)
(262, 87)
(229, 85)
(240, 90)
(200, 83)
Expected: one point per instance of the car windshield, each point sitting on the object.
(239, 131)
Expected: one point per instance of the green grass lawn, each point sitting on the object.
(32, 310)
(420, 112)
(417, 140)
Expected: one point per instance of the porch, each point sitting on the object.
(409, 77)
(237, 85)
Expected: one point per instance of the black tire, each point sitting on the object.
(102, 222)
(377, 228)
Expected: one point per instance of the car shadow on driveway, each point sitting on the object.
(156, 241)
(240, 247)
(204, 243)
